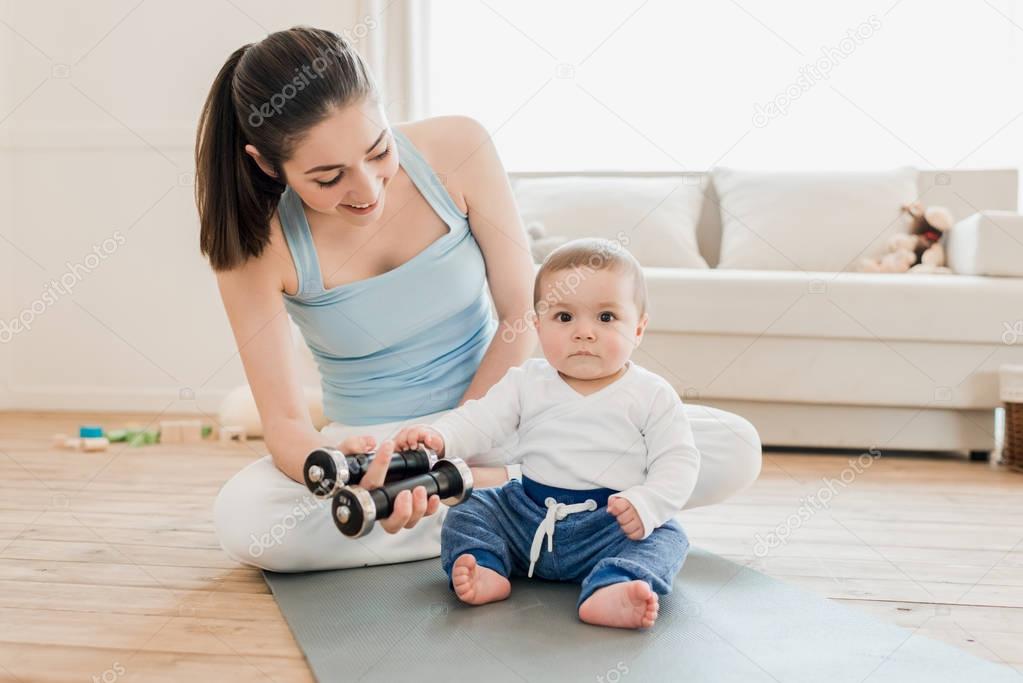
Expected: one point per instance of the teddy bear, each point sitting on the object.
(540, 245)
(918, 251)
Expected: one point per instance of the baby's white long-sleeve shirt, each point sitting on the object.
(631, 436)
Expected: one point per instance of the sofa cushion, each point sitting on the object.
(871, 306)
(987, 243)
(810, 221)
(654, 218)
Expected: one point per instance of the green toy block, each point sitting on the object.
(118, 435)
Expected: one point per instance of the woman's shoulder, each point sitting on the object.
(447, 143)
(444, 139)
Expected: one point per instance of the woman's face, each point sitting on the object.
(343, 164)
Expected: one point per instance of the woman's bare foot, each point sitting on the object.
(478, 585)
(630, 604)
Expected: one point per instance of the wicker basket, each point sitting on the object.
(1011, 390)
(1012, 451)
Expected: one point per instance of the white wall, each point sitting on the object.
(99, 152)
(7, 104)
(6, 273)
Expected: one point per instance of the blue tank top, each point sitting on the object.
(404, 343)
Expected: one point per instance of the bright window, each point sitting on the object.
(664, 84)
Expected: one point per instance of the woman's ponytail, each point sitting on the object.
(235, 199)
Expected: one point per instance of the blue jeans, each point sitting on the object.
(496, 526)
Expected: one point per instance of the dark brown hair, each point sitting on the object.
(267, 94)
(592, 254)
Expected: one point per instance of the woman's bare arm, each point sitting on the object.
(481, 184)
(477, 182)
(262, 329)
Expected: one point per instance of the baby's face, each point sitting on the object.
(588, 322)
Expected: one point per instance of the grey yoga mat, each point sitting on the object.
(721, 623)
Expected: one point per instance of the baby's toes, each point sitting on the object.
(652, 610)
(464, 570)
(461, 575)
(465, 562)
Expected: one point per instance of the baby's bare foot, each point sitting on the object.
(478, 585)
(630, 604)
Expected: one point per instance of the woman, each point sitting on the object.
(381, 242)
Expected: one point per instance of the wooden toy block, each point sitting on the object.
(72, 443)
(170, 431)
(76, 443)
(232, 433)
(191, 431)
(97, 443)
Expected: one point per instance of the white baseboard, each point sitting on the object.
(107, 399)
(862, 427)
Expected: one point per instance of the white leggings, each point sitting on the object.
(264, 518)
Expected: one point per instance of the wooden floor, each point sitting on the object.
(109, 569)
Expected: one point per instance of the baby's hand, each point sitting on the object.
(628, 518)
(409, 438)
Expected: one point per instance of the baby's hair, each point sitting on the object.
(588, 255)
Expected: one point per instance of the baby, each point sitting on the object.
(607, 453)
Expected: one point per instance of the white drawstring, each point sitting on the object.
(555, 513)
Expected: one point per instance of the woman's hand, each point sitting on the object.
(409, 438)
(409, 506)
(357, 445)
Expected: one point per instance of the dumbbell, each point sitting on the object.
(328, 469)
(356, 509)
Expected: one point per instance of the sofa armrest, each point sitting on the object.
(987, 243)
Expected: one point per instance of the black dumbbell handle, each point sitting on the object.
(449, 479)
(337, 469)
(440, 482)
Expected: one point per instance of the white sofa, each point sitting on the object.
(814, 357)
